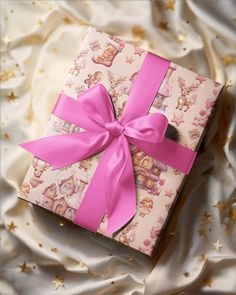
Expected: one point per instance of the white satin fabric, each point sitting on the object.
(43, 37)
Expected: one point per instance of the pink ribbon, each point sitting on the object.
(112, 188)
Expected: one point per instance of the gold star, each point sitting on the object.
(55, 250)
(228, 59)
(40, 23)
(6, 75)
(232, 214)
(163, 26)
(6, 136)
(42, 71)
(217, 245)
(169, 4)
(24, 267)
(227, 229)
(186, 274)
(206, 217)
(29, 116)
(220, 205)
(11, 227)
(228, 83)
(82, 22)
(40, 245)
(58, 281)
(182, 37)
(55, 50)
(203, 258)
(11, 97)
(208, 282)
(61, 223)
(67, 20)
(202, 232)
(138, 32)
(6, 40)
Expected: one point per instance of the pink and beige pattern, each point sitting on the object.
(186, 98)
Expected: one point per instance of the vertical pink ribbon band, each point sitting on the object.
(112, 189)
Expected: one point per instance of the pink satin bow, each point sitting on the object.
(112, 188)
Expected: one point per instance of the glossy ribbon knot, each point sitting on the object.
(112, 187)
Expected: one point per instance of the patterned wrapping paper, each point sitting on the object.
(186, 98)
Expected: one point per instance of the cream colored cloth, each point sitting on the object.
(197, 254)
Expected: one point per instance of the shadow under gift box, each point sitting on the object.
(187, 100)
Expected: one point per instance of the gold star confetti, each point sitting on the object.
(42, 71)
(186, 274)
(6, 40)
(11, 227)
(169, 4)
(138, 32)
(228, 59)
(6, 136)
(232, 215)
(220, 205)
(11, 97)
(67, 20)
(40, 23)
(82, 22)
(61, 223)
(163, 26)
(203, 258)
(227, 229)
(6, 75)
(55, 50)
(58, 281)
(202, 232)
(205, 218)
(217, 245)
(208, 282)
(24, 267)
(228, 83)
(40, 245)
(30, 115)
(55, 250)
(182, 37)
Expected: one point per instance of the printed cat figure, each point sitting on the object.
(49, 195)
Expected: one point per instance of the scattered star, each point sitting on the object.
(67, 20)
(6, 75)
(40, 23)
(182, 37)
(220, 205)
(169, 4)
(61, 223)
(40, 245)
(228, 59)
(205, 218)
(58, 281)
(203, 258)
(55, 250)
(6, 136)
(138, 32)
(24, 267)
(29, 117)
(186, 274)
(69, 83)
(232, 214)
(11, 97)
(82, 22)
(202, 232)
(129, 59)
(42, 70)
(208, 282)
(163, 26)
(177, 119)
(217, 245)
(6, 40)
(11, 227)
(228, 83)
(227, 229)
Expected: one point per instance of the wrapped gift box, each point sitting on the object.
(186, 98)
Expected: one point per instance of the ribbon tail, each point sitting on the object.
(118, 198)
(170, 153)
(65, 149)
